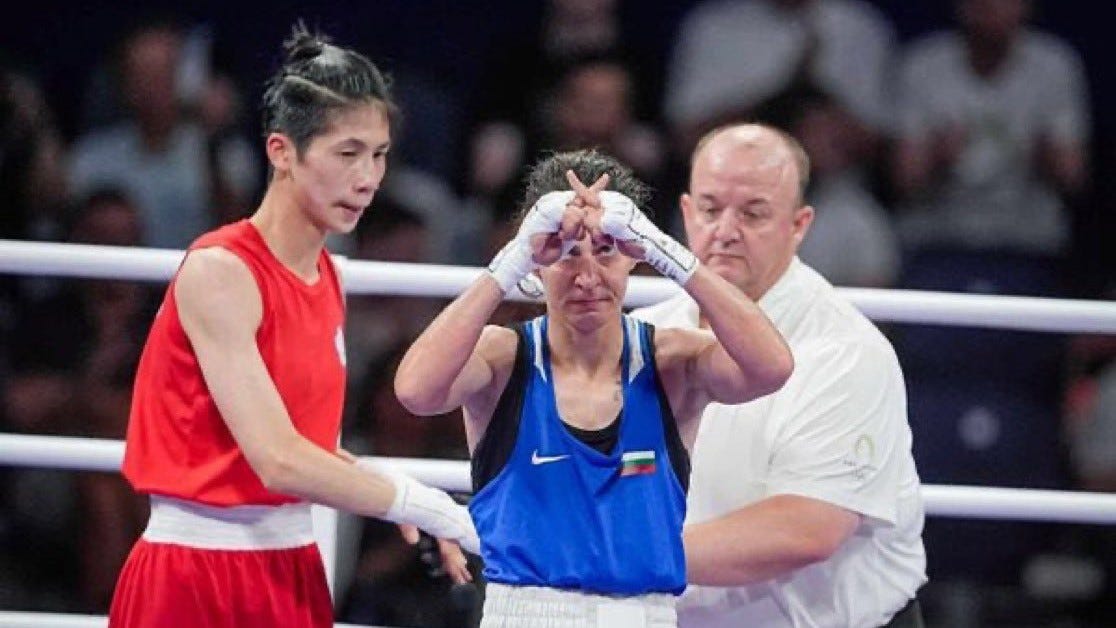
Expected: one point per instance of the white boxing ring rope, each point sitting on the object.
(429, 280)
(969, 502)
(433, 280)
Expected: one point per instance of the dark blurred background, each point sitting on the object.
(957, 145)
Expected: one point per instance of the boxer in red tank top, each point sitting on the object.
(238, 397)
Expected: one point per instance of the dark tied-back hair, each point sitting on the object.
(549, 175)
(318, 79)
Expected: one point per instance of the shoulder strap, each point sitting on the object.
(496, 445)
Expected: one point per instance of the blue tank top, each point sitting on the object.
(561, 514)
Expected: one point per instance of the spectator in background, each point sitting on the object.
(515, 114)
(852, 241)
(993, 127)
(1090, 430)
(33, 191)
(32, 180)
(1094, 441)
(113, 516)
(732, 56)
(89, 328)
(990, 156)
(375, 324)
(74, 357)
(159, 156)
(215, 101)
(593, 107)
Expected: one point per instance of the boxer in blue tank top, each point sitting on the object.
(562, 531)
(580, 422)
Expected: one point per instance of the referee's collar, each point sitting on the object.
(777, 299)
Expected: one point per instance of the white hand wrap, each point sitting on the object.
(626, 223)
(428, 509)
(514, 262)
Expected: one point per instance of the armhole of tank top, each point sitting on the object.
(243, 256)
(679, 457)
(496, 445)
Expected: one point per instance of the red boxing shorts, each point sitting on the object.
(208, 567)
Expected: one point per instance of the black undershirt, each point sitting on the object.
(498, 442)
(603, 440)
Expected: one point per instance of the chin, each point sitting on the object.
(343, 225)
(729, 269)
(345, 228)
(592, 319)
(587, 323)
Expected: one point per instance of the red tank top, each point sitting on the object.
(178, 444)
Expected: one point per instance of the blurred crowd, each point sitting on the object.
(962, 159)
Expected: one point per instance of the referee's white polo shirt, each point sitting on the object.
(837, 431)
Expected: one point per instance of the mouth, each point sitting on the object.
(723, 257)
(586, 302)
(352, 209)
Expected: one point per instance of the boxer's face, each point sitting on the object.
(337, 174)
(587, 287)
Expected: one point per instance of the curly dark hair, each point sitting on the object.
(549, 175)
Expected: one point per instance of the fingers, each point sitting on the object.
(410, 533)
(454, 562)
(600, 184)
(577, 186)
(572, 222)
(588, 195)
(546, 248)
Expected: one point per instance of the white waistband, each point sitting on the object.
(230, 528)
(508, 605)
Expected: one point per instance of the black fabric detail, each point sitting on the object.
(679, 457)
(495, 447)
(603, 440)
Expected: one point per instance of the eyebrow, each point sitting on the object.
(359, 143)
(706, 196)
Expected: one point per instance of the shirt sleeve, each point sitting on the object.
(912, 120)
(1065, 100)
(842, 436)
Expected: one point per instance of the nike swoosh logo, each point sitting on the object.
(537, 459)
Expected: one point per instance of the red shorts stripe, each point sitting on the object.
(169, 586)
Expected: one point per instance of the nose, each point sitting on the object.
(727, 227)
(369, 175)
(587, 276)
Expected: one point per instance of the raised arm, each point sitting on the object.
(221, 309)
(458, 356)
(750, 358)
(746, 357)
(457, 360)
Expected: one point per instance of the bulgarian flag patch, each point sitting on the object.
(637, 463)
